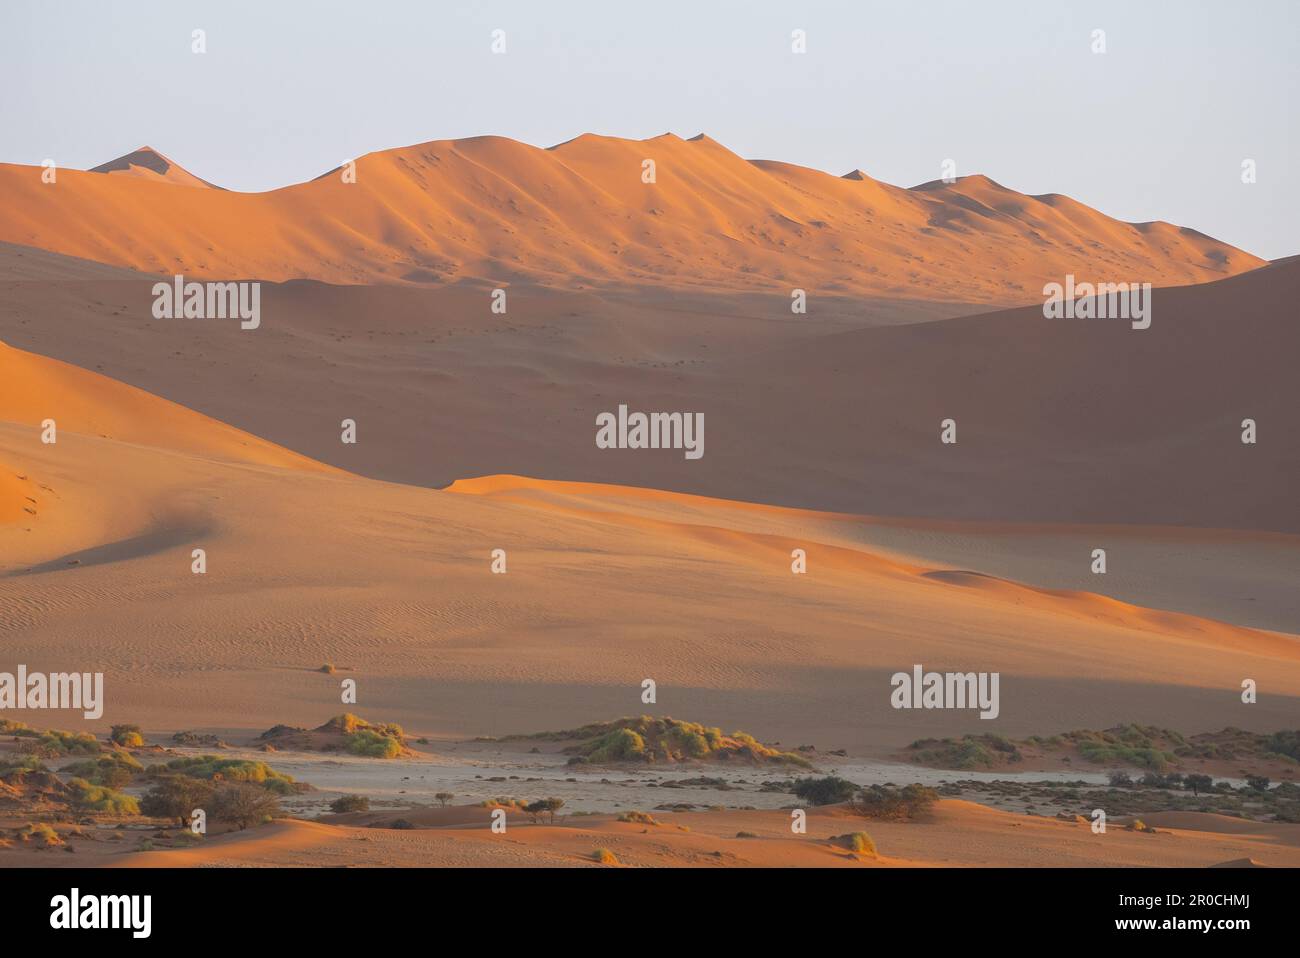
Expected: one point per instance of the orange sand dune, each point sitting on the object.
(149, 164)
(395, 584)
(491, 209)
(960, 834)
(34, 389)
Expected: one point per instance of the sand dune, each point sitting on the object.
(1059, 421)
(34, 389)
(961, 834)
(147, 163)
(493, 210)
(394, 583)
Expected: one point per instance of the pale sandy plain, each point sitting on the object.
(822, 435)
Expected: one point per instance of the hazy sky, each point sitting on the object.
(1157, 127)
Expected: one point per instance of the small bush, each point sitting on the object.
(830, 790)
(444, 797)
(350, 803)
(604, 856)
(96, 798)
(127, 736)
(638, 818)
(41, 835)
(243, 804)
(895, 804)
(373, 744)
(860, 843)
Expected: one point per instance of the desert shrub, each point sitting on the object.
(1120, 780)
(373, 744)
(57, 744)
(895, 804)
(745, 835)
(1284, 743)
(40, 834)
(96, 798)
(113, 769)
(1257, 782)
(15, 767)
(401, 824)
(619, 745)
(824, 791)
(127, 736)
(859, 843)
(17, 729)
(544, 806)
(213, 768)
(177, 796)
(638, 818)
(327, 668)
(604, 856)
(350, 803)
(1198, 783)
(243, 804)
(444, 797)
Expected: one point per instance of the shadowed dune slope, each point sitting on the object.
(34, 389)
(495, 210)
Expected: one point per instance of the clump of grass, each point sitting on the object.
(97, 798)
(373, 744)
(40, 835)
(214, 768)
(638, 818)
(17, 729)
(126, 736)
(649, 739)
(516, 804)
(745, 835)
(327, 668)
(57, 743)
(604, 856)
(859, 843)
(111, 769)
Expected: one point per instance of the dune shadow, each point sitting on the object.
(135, 547)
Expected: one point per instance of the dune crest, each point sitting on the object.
(601, 211)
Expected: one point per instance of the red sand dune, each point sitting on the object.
(149, 164)
(495, 210)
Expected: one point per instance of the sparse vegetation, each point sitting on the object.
(830, 790)
(243, 804)
(40, 835)
(216, 769)
(350, 803)
(444, 798)
(895, 804)
(96, 798)
(859, 843)
(177, 796)
(604, 856)
(112, 769)
(544, 807)
(638, 818)
(127, 736)
(649, 739)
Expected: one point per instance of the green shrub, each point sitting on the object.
(350, 803)
(373, 744)
(824, 791)
(96, 798)
(860, 843)
(213, 768)
(127, 736)
(243, 804)
(177, 796)
(895, 804)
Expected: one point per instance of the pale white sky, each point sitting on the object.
(1155, 128)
